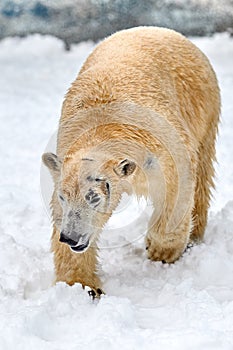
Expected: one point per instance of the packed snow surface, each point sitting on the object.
(148, 305)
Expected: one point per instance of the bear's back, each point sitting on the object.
(141, 47)
(154, 67)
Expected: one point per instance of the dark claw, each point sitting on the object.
(99, 291)
(92, 294)
(189, 246)
(95, 294)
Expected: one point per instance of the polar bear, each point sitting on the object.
(141, 118)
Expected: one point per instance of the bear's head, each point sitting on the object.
(88, 187)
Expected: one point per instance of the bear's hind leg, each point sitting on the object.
(204, 183)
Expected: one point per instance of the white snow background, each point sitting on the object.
(148, 305)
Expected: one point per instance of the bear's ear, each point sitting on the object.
(125, 168)
(52, 162)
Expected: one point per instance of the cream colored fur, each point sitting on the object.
(149, 95)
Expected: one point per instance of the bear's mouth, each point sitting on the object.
(80, 248)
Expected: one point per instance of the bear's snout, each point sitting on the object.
(78, 246)
(68, 240)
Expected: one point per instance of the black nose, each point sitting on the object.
(67, 240)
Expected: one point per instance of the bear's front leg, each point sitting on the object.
(168, 247)
(71, 267)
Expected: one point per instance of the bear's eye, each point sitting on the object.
(107, 186)
(61, 198)
(96, 179)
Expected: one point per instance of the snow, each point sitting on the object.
(148, 305)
